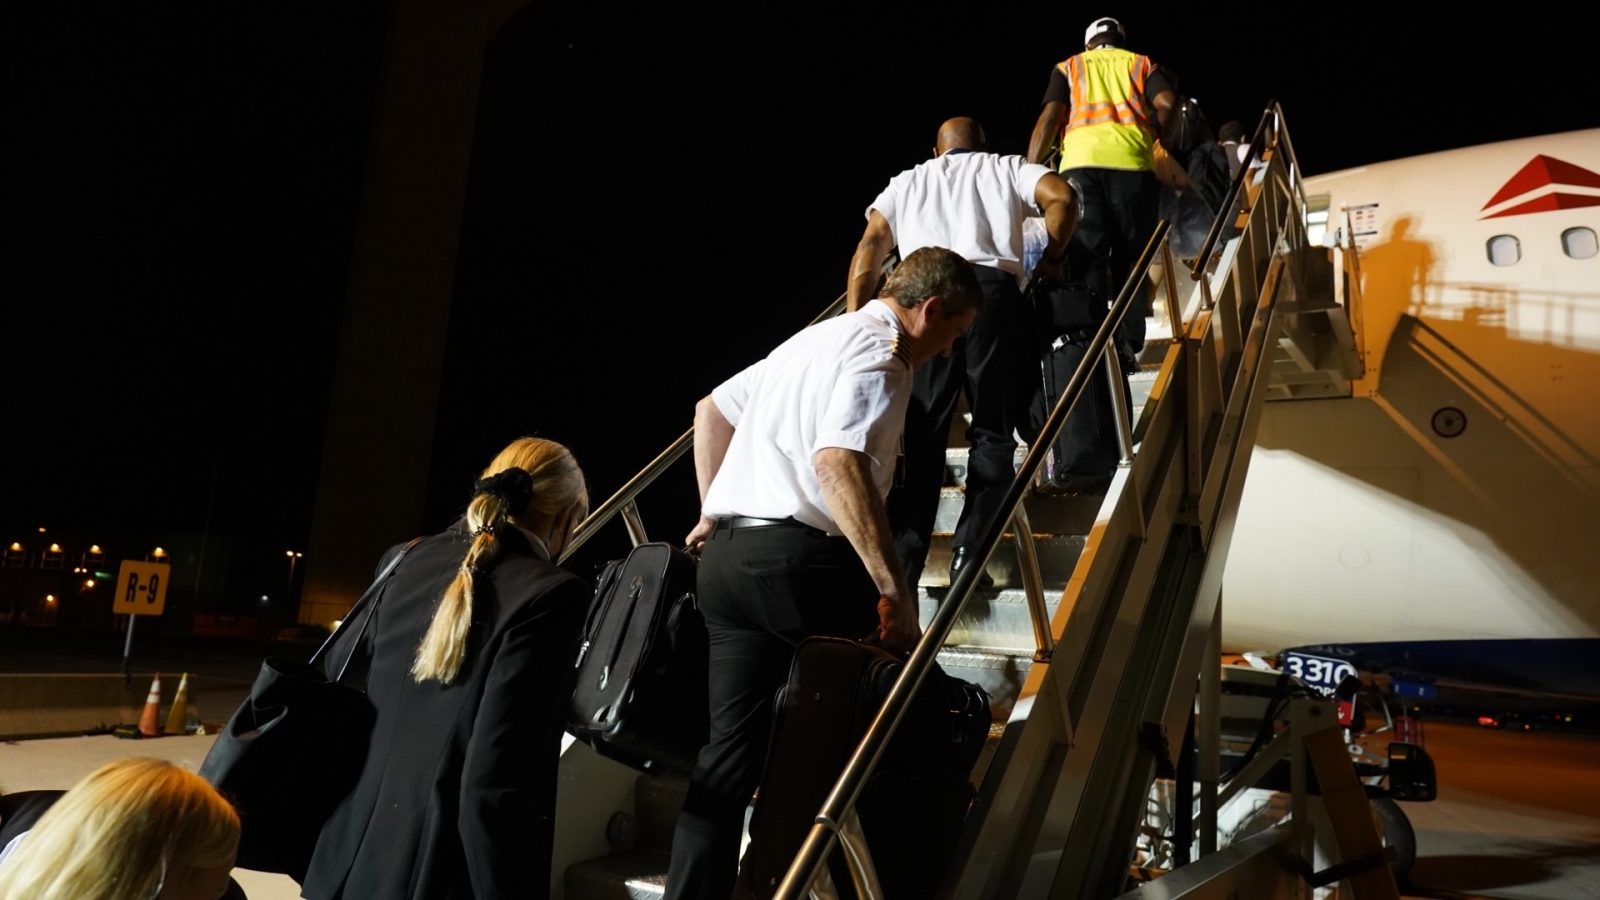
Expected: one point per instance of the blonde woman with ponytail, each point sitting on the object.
(471, 656)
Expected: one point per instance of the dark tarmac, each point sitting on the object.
(1517, 818)
(220, 670)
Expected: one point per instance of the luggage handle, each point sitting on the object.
(634, 590)
(874, 641)
(597, 615)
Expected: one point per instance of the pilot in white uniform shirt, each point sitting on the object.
(855, 379)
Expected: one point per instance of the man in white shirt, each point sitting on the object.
(975, 203)
(794, 456)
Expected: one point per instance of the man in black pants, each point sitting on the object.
(794, 456)
(1104, 110)
(975, 203)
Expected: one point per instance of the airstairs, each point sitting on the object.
(1100, 636)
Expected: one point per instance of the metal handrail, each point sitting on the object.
(622, 502)
(1292, 165)
(1353, 306)
(842, 798)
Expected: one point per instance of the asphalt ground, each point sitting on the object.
(220, 670)
(1517, 818)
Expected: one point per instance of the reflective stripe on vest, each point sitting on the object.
(1109, 125)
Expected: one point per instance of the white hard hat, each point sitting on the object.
(1101, 26)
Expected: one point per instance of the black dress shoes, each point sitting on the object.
(1068, 484)
(959, 557)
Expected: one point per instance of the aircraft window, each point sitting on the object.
(1504, 250)
(1579, 243)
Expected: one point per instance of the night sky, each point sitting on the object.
(647, 204)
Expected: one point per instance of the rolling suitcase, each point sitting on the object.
(640, 692)
(912, 808)
(1085, 451)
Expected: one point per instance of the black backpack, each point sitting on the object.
(1208, 173)
(1193, 145)
(1187, 131)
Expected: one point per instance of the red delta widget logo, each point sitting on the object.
(1544, 185)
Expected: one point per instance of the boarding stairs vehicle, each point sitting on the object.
(1100, 638)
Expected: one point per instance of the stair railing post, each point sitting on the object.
(1174, 311)
(634, 523)
(863, 875)
(1032, 585)
(1209, 732)
(1300, 835)
(1119, 406)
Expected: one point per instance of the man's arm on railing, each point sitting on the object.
(712, 434)
(1059, 203)
(867, 263)
(852, 498)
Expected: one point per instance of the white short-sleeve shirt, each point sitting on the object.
(842, 383)
(971, 202)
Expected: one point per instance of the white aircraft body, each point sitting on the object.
(1447, 513)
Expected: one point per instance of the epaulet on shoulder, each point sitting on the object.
(899, 349)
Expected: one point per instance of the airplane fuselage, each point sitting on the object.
(1455, 495)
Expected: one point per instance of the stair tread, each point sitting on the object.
(626, 875)
(628, 862)
(974, 655)
(991, 596)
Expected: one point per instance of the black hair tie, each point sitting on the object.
(513, 486)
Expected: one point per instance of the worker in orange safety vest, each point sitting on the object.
(1104, 111)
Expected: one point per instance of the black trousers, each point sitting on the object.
(762, 590)
(1118, 211)
(996, 364)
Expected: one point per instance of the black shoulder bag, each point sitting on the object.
(296, 746)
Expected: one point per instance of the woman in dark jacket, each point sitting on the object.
(471, 653)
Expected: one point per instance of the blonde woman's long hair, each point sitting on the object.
(557, 485)
(121, 833)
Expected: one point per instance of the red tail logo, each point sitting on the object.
(1543, 172)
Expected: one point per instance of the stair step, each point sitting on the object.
(1140, 384)
(630, 875)
(955, 456)
(1057, 554)
(955, 462)
(640, 872)
(1062, 516)
(647, 887)
(1048, 516)
(991, 620)
(1000, 674)
(657, 801)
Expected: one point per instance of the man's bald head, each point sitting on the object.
(960, 133)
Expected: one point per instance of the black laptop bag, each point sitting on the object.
(640, 696)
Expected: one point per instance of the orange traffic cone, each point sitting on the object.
(150, 719)
(180, 702)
